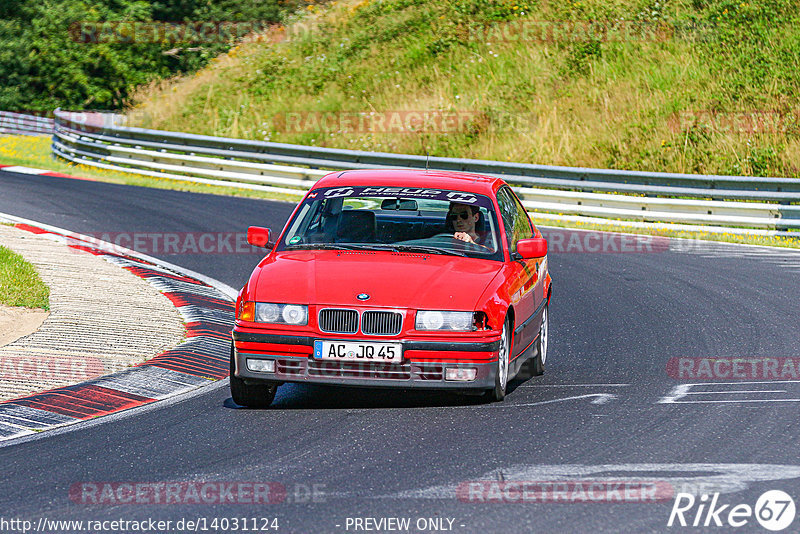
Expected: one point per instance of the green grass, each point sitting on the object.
(35, 152)
(20, 284)
(571, 101)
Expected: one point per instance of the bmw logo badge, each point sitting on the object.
(362, 296)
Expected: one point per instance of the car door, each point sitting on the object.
(523, 277)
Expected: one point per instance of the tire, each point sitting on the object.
(498, 393)
(537, 362)
(252, 396)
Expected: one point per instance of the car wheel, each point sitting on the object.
(538, 361)
(498, 393)
(252, 396)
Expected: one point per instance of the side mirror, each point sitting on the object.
(258, 237)
(535, 247)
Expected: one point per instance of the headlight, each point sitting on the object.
(293, 314)
(444, 320)
(266, 312)
(269, 312)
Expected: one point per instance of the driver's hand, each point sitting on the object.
(463, 236)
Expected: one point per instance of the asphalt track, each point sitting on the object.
(616, 320)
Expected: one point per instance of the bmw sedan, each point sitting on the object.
(395, 279)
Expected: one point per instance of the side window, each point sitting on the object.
(515, 218)
(523, 228)
(508, 212)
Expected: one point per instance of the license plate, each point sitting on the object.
(351, 351)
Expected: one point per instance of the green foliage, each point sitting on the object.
(492, 10)
(582, 54)
(759, 161)
(754, 47)
(43, 65)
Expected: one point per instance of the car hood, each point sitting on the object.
(417, 281)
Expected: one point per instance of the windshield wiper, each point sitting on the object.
(429, 250)
(405, 248)
(322, 246)
(355, 246)
(375, 246)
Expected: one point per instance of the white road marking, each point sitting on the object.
(737, 391)
(599, 398)
(786, 258)
(574, 385)
(23, 170)
(738, 400)
(682, 391)
(688, 478)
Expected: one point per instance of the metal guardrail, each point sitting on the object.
(19, 123)
(727, 203)
(24, 124)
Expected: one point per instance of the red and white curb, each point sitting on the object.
(40, 172)
(207, 308)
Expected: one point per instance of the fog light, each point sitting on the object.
(261, 366)
(460, 374)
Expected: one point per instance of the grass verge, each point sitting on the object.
(20, 284)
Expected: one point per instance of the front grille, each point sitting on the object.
(381, 323)
(338, 321)
(429, 372)
(289, 367)
(332, 369)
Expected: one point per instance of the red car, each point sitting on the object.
(399, 278)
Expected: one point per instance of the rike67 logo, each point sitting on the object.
(774, 510)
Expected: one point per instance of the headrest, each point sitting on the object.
(356, 226)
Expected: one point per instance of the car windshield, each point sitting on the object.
(431, 221)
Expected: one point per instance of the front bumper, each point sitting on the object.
(294, 362)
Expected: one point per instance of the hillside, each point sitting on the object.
(76, 54)
(702, 86)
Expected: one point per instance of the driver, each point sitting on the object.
(463, 217)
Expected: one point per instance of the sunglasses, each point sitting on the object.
(464, 215)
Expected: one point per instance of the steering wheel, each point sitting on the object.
(451, 236)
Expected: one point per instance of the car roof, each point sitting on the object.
(448, 180)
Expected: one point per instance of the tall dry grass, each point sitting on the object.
(607, 104)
